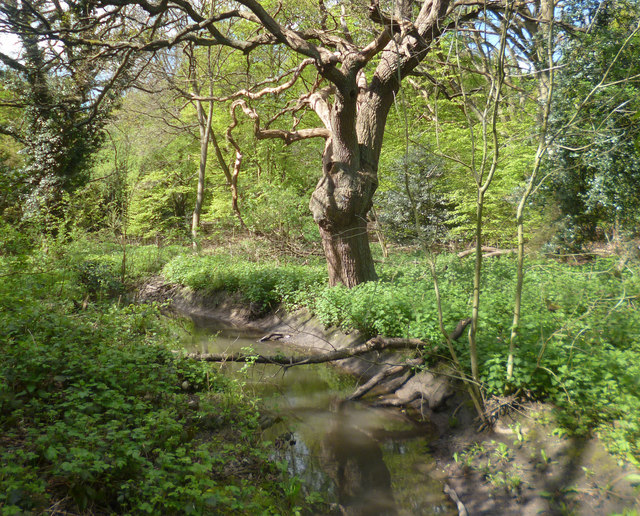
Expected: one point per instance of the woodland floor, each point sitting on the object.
(525, 466)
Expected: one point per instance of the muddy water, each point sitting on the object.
(371, 461)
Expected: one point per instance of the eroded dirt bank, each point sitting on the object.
(525, 465)
(424, 393)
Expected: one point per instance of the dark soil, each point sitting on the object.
(525, 465)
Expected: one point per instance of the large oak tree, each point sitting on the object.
(352, 103)
(361, 55)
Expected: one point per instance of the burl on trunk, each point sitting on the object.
(340, 204)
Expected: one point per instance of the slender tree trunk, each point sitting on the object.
(204, 125)
(233, 184)
(545, 88)
(475, 299)
(231, 175)
(489, 135)
(380, 235)
(205, 133)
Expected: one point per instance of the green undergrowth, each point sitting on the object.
(579, 338)
(98, 416)
(266, 283)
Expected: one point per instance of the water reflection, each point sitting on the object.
(370, 461)
(355, 462)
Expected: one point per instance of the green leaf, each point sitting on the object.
(51, 453)
(634, 479)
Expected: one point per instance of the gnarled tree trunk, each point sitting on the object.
(340, 204)
(348, 253)
(353, 112)
(343, 197)
(356, 121)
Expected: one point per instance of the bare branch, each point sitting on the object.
(13, 63)
(262, 134)
(375, 344)
(325, 60)
(253, 95)
(7, 131)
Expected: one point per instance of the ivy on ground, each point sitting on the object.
(97, 415)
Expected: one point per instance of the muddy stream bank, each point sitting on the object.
(422, 458)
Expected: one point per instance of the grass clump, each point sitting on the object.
(267, 283)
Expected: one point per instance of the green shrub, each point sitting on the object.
(13, 241)
(95, 418)
(99, 279)
(265, 284)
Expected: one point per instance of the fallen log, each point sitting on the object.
(499, 252)
(488, 250)
(402, 369)
(485, 249)
(396, 402)
(374, 344)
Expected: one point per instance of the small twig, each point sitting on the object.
(462, 511)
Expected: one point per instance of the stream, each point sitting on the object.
(372, 461)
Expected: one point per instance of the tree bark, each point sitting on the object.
(343, 197)
(339, 205)
(348, 254)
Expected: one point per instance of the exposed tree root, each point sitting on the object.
(383, 375)
(462, 511)
(397, 402)
(497, 406)
(406, 369)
